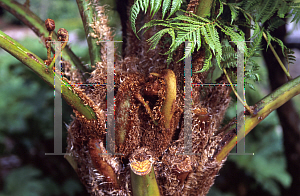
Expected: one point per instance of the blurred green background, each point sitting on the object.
(26, 121)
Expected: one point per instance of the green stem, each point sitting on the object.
(37, 65)
(277, 58)
(236, 94)
(144, 185)
(38, 26)
(261, 110)
(88, 15)
(203, 8)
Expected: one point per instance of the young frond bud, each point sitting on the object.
(50, 24)
(62, 34)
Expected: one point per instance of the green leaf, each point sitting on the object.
(266, 10)
(207, 60)
(165, 7)
(156, 38)
(284, 9)
(175, 6)
(134, 11)
(152, 4)
(295, 12)
(221, 9)
(156, 7)
(145, 4)
(234, 12)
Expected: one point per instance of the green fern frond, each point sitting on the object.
(269, 38)
(189, 31)
(211, 37)
(154, 23)
(267, 9)
(251, 71)
(221, 9)
(188, 50)
(255, 45)
(142, 5)
(155, 5)
(234, 12)
(283, 47)
(165, 7)
(256, 30)
(193, 29)
(289, 54)
(284, 9)
(295, 12)
(145, 4)
(274, 23)
(208, 39)
(229, 57)
(156, 38)
(234, 36)
(134, 11)
(207, 61)
(247, 5)
(176, 4)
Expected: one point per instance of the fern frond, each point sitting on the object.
(295, 11)
(142, 5)
(134, 11)
(284, 9)
(212, 39)
(156, 38)
(234, 36)
(289, 54)
(229, 57)
(193, 20)
(256, 30)
(184, 32)
(154, 23)
(165, 7)
(269, 38)
(234, 12)
(176, 4)
(248, 5)
(280, 43)
(188, 50)
(193, 29)
(251, 71)
(155, 5)
(255, 45)
(145, 4)
(208, 39)
(207, 60)
(221, 9)
(267, 10)
(275, 23)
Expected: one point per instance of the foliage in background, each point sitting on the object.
(27, 115)
(26, 112)
(265, 141)
(267, 145)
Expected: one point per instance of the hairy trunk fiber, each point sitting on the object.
(147, 132)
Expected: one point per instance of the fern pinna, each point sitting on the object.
(209, 32)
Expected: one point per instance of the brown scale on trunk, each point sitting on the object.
(140, 123)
